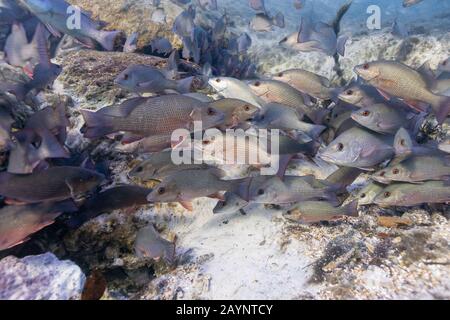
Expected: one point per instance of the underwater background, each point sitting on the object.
(258, 255)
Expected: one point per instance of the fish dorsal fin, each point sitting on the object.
(124, 109)
(427, 74)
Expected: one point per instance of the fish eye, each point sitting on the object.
(366, 113)
(387, 194)
(366, 66)
(280, 74)
(211, 112)
(139, 169)
(257, 84)
(340, 147)
(206, 142)
(363, 195)
(349, 92)
(161, 190)
(395, 171)
(125, 76)
(247, 108)
(260, 192)
(218, 80)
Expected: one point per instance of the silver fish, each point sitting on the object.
(56, 13)
(235, 89)
(357, 148)
(317, 211)
(409, 195)
(150, 244)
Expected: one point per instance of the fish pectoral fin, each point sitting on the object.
(69, 184)
(53, 31)
(14, 202)
(145, 84)
(187, 205)
(417, 105)
(19, 243)
(384, 94)
(218, 196)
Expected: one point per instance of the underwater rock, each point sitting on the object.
(134, 16)
(90, 74)
(42, 277)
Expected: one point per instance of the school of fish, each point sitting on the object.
(368, 126)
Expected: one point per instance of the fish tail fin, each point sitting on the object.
(319, 115)
(317, 131)
(278, 20)
(330, 195)
(443, 109)
(20, 90)
(97, 124)
(336, 24)
(241, 188)
(185, 85)
(352, 209)
(107, 39)
(50, 147)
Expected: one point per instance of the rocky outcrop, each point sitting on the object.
(42, 277)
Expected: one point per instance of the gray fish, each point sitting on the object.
(361, 95)
(384, 119)
(54, 184)
(18, 223)
(299, 4)
(18, 51)
(257, 5)
(117, 198)
(278, 116)
(280, 92)
(368, 194)
(187, 185)
(184, 25)
(398, 80)
(148, 79)
(236, 111)
(317, 211)
(290, 189)
(150, 244)
(416, 169)
(409, 195)
(244, 42)
(405, 147)
(159, 16)
(131, 43)
(319, 36)
(160, 166)
(261, 22)
(55, 14)
(235, 89)
(232, 203)
(6, 122)
(357, 148)
(52, 119)
(307, 82)
(156, 3)
(153, 116)
(409, 3)
(399, 29)
(208, 4)
(161, 45)
(30, 150)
